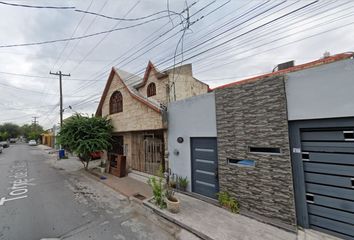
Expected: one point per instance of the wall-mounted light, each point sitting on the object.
(180, 140)
(176, 152)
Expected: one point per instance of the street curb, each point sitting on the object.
(161, 213)
(94, 176)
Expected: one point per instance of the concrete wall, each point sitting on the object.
(185, 84)
(254, 114)
(192, 117)
(325, 91)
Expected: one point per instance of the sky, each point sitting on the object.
(225, 41)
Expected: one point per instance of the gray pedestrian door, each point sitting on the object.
(327, 157)
(205, 166)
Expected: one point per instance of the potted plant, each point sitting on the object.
(172, 181)
(172, 203)
(183, 183)
(102, 167)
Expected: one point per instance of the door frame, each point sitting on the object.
(295, 128)
(216, 163)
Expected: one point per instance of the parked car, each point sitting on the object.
(32, 143)
(13, 140)
(1, 148)
(5, 144)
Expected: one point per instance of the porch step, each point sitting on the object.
(140, 176)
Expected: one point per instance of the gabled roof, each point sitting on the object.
(150, 67)
(300, 67)
(129, 81)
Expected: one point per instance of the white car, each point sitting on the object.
(1, 148)
(32, 143)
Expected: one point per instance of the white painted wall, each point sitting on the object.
(192, 117)
(326, 91)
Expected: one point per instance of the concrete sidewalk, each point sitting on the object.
(208, 221)
(128, 186)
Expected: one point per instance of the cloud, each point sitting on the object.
(237, 60)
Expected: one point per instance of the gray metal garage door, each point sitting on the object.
(204, 166)
(327, 156)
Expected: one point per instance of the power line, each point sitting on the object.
(164, 61)
(79, 37)
(325, 31)
(147, 44)
(19, 117)
(25, 89)
(247, 32)
(72, 35)
(128, 19)
(102, 39)
(289, 43)
(32, 6)
(46, 77)
(258, 38)
(86, 30)
(248, 20)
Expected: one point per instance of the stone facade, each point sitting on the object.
(254, 114)
(136, 116)
(185, 85)
(141, 114)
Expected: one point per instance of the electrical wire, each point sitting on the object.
(144, 41)
(128, 19)
(102, 39)
(79, 37)
(86, 30)
(72, 35)
(149, 43)
(32, 6)
(287, 36)
(270, 31)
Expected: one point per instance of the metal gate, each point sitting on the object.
(148, 153)
(153, 155)
(323, 163)
(204, 166)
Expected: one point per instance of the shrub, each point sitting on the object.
(183, 183)
(229, 202)
(156, 184)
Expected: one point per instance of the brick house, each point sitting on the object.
(137, 106)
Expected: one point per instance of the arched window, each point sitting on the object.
(151, 90)
(116, 103)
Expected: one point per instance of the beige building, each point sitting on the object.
(137, 109)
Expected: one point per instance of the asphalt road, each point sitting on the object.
(38, 201)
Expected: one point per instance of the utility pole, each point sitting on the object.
(35, 121)
(60, 74)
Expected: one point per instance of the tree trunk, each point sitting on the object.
(87, 164)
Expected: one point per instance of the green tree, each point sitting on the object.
(11, 129)
(4, 136)
(83, 135)
(32, 131)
